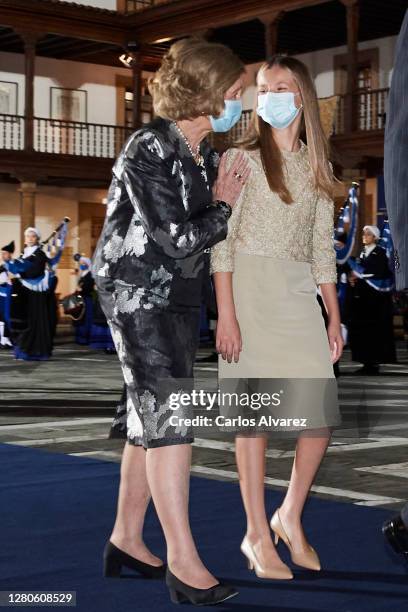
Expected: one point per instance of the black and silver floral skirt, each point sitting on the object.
(156, 346)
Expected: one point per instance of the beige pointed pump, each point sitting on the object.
(304, 558)
(281, 572)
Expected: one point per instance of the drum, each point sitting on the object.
(73, 306)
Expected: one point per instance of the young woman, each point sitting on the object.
(279, 248)
(164, 212)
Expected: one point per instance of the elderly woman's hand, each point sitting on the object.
(230, 183)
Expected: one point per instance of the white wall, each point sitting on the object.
(105, 4)
(97, 80)
(320, 63)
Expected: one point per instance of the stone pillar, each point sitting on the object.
(27, 192)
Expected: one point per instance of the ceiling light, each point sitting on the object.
(128, 58)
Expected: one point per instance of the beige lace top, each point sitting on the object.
(262, 224)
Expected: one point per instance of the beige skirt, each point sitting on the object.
(284, 341)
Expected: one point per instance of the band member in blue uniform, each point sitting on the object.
(5, 296)
(369, 308)
(86, 287)
(92, 329)
(33, 307)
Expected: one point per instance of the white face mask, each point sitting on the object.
(278, 108)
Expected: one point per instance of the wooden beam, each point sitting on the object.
(271, 22)
(87, 50)
(169, 20)
(137, 88)
(352, 16)
(65, 19)
(185, 17)
(30, 41)
(7, 37)
(40, 167)
(360, 144)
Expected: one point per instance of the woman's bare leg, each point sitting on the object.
(308, 457)
(134, 497)
(250, 456)
(168, 474)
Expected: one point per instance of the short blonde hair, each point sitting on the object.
(193, 78)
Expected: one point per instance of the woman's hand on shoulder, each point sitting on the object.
(228, 338)
(231, 181)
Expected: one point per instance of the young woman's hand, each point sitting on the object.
(230, 183)
(336, 341)
(228, 338)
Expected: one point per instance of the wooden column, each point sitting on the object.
(27, 190)
(30, 41)
(271, 21)
(351, 110)
(137, 88)
(360, 177)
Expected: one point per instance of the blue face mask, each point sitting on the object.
(278, 109)
(83, 267)
(230, 116)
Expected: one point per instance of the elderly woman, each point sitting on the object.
(369, 311)
(33, 308)
(165, 209)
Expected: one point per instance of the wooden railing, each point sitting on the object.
(370, 110)
(12, 132)
(64, 137)
(133, 6)
(75, 138)
(105, 141)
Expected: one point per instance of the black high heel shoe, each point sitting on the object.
(114, 559)
(396, 533)
(181, 592)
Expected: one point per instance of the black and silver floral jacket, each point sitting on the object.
(161, 218)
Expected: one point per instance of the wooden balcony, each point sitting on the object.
(63, 137)
(70, 149)
(358, 131)
(63, 149)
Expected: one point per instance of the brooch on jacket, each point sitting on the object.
(396, 260)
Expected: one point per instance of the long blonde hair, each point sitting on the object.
(259, 133)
